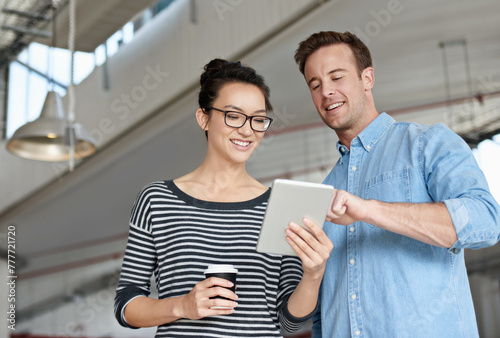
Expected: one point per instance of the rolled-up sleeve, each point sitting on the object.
(475, 221)
(454, 177)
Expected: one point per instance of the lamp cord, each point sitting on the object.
(71, 47)
(51, 58)
(71, 93)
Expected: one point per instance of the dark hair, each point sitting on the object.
(314, 42)
(219, 72)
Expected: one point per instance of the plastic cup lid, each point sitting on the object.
(218, 268)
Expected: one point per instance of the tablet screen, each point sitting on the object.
(291, 201)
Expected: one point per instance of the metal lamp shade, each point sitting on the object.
(47, 138)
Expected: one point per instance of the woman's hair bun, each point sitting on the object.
(216, 68)
(218, 72)
(211, 68)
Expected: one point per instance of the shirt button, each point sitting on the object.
(353, 168)
(352, 261)
(357, 332)
(351, 229)
(353, 297)
(368, 147)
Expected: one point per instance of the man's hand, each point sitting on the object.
(346, 208)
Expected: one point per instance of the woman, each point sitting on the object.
(213, 215)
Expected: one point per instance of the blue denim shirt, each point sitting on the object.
(381, 284)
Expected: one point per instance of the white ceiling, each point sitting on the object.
(92, 205)
(26, 21)
(96, 21)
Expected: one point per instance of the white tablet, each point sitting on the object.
(291, 201)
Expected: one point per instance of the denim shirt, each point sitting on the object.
(381, 284)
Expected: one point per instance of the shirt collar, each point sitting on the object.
(342, 149)
(371, 134)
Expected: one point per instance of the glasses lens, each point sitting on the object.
(235, 119)
(260, 123)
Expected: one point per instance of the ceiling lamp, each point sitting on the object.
(54, 136)
(48, 137)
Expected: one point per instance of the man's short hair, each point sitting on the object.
(314, 42)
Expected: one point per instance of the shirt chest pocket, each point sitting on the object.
(391, 186)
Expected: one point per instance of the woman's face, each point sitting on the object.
(235, 144)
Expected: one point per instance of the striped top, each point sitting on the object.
(176, 236)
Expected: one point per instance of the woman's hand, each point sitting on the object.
(313, 247)
(198, 303)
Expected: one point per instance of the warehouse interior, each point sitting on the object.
(434, 61)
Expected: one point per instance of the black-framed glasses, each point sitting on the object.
(236, 119)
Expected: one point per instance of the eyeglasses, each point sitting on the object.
(236, 119)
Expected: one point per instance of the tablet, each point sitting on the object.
(291, 201)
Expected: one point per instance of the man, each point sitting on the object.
(409, 198)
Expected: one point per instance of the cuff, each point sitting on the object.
(122, 313)
(296, 320)
(461, 219)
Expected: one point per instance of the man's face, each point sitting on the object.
(337, 90)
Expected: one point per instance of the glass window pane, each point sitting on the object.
(114, 43)
(100, 55)
(23, 56)
(128, 32)
(487, 154)
(84, 65)
(37, 92)
(39, 57)
(61, 62)
(17, 102)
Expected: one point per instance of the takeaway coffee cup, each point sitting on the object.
(226, 271)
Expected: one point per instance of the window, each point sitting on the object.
(40, 68)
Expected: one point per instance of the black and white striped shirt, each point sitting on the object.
(176, 236)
